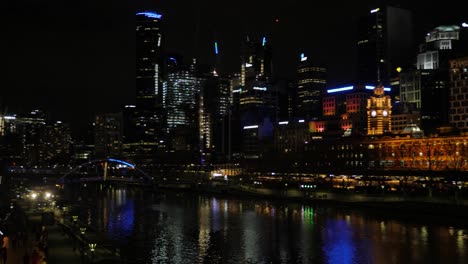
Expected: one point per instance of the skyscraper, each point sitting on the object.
(311, 84)
(428, 85)
(148, 53)
(384, 42)
(149, 118)
(108, 135)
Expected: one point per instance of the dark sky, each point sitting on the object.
(77, 58)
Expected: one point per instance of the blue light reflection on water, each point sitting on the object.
(192, 228)
(338, 244)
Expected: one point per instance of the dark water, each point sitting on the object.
(191, 228)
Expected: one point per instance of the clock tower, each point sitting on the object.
(379, 112)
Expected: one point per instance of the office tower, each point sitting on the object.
(256, 98)
(379, 112)
(181, 90)
(256, 59)
(428, 85)
(311, 84)
(384, 42)
(459, 93)
(148, 54)
(108, 135)
(180, 93)
(149, 117)
(56, 143)
(215, 99)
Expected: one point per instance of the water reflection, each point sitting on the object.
(191, 228)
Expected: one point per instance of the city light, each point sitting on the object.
(464, 24)
(301, 121)
(370, 87)
(216, 47)
(122, 162)
(248, 65)
(347, 88)
(237, 91)
(303, 57)
(263, 41)
(150, 14)
(250, 127)
(375, 10)
(260, 88)
(283, 123)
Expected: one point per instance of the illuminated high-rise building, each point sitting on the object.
(384, 42)
(108, 135)
(428, 85)
(148, 117)
(256, 59)
(148, 54)
(311, 84)
(459, 93)
(56, 143)
(180, 93)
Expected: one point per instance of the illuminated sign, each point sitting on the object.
(263, 41)
(347, 88)
(370, 87)
(303, 57)
(283, 123)
(150, 14)
(375, 10)
(250, 127)
(216, 48)
(260, 88)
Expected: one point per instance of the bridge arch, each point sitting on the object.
(66, 177)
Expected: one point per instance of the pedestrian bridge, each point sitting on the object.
(107, 170)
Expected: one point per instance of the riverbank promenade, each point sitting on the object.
(61, 245)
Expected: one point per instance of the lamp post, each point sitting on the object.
(75, 219)
(92, 248)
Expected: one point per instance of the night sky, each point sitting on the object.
(77, 58)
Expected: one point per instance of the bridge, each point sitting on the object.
(107, 170)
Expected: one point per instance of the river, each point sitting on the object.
(184, 227)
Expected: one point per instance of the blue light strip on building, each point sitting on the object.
(216, 47)
(150, 14)
(263, 41)
(370, 87)
(347, 88)
(122, 162)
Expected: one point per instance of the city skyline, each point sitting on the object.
(76, 63)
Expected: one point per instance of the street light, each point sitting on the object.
(92, 246)
(82, 230)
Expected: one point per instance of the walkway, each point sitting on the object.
(60, 245)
